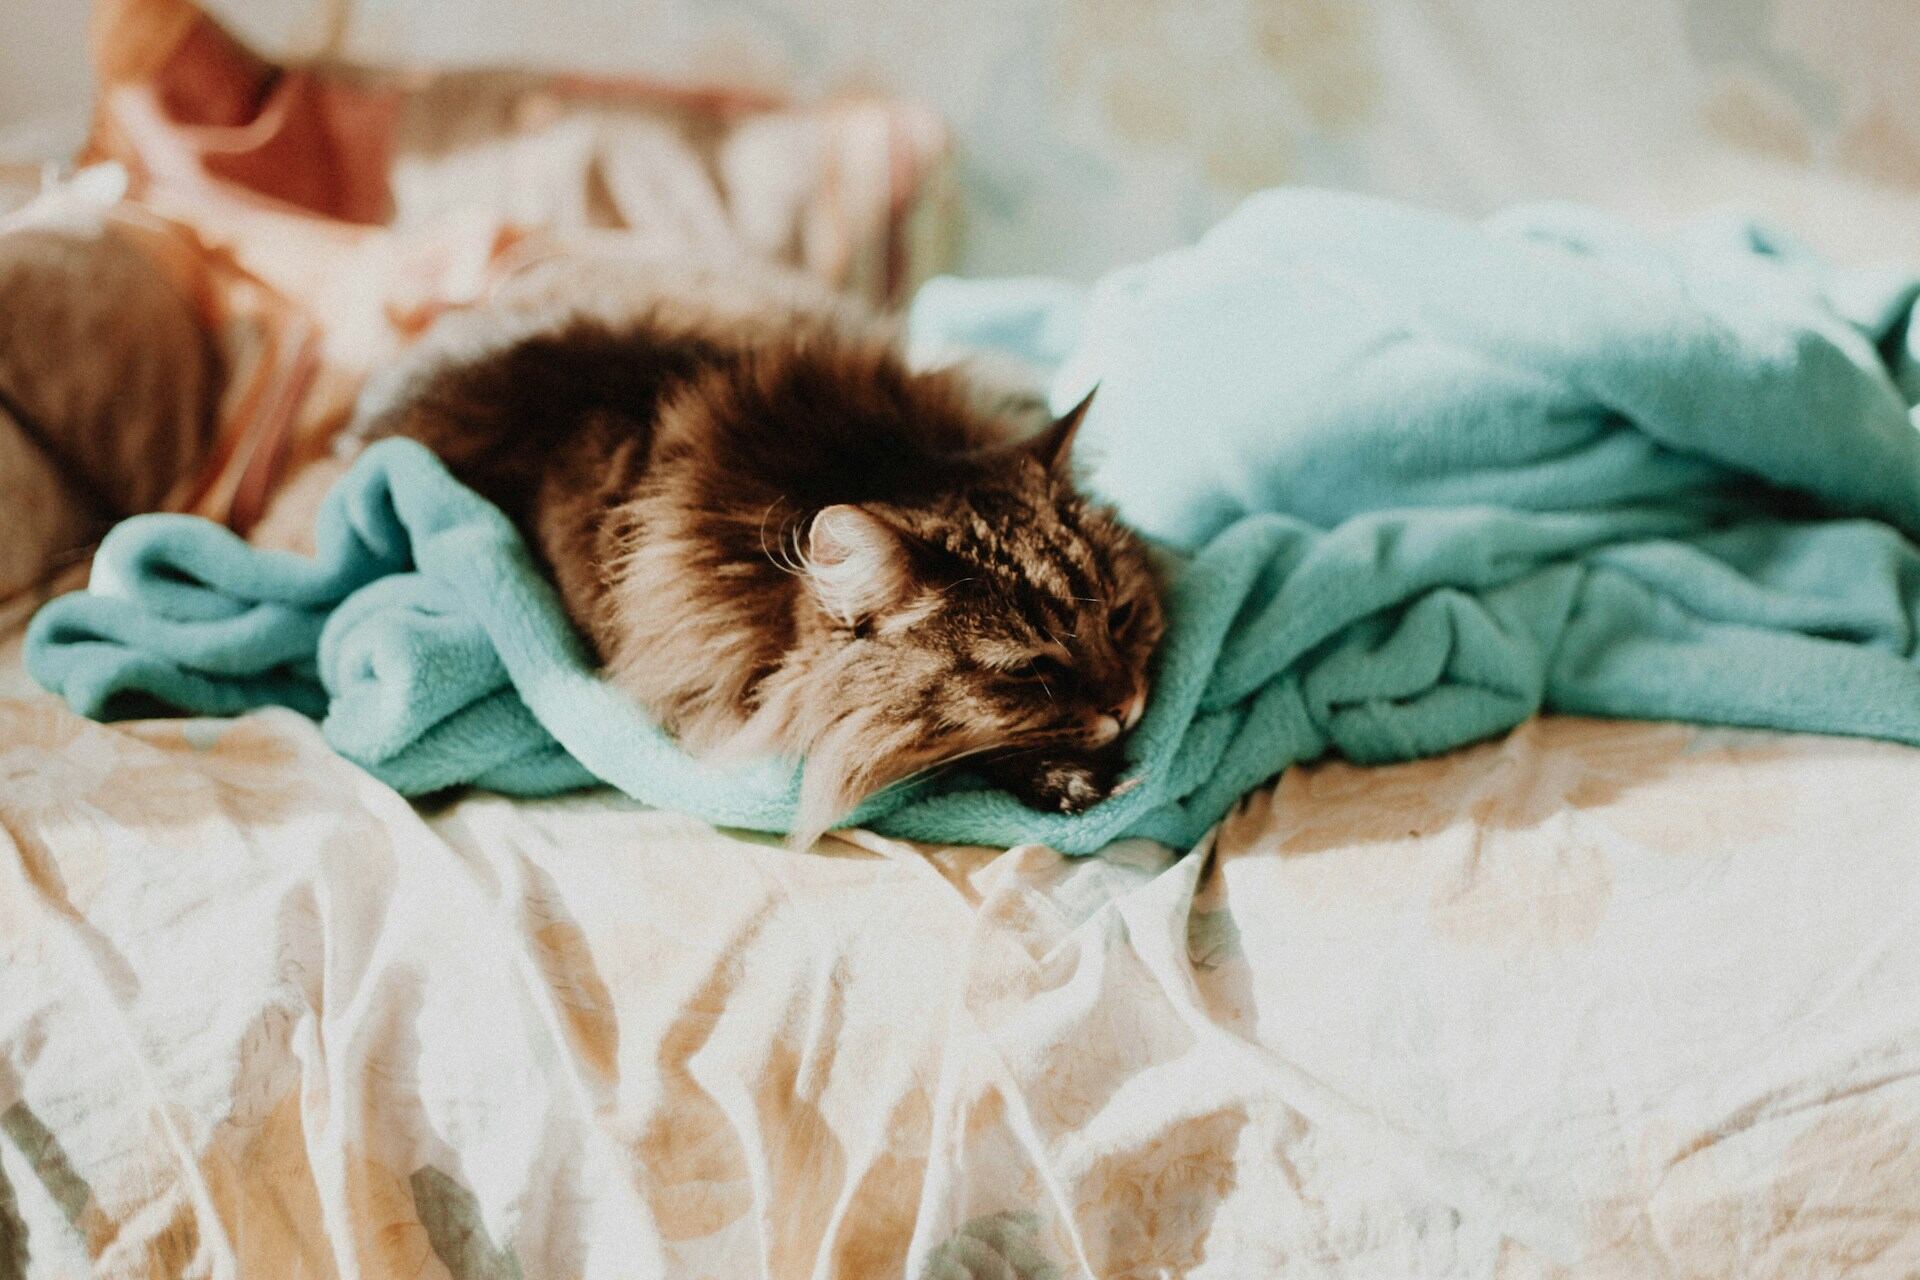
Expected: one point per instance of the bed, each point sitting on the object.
(1595, 999)
(1598, 999)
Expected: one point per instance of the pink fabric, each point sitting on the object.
(325, 215)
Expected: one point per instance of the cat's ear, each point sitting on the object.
(855, 562)
(1053, 445)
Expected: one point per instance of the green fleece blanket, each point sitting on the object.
(1428, 477)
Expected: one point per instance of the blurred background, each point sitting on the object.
(247, 205)
(1089, 132)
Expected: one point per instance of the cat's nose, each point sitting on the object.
(1129, 712)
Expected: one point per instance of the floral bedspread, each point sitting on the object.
(1597, 1000)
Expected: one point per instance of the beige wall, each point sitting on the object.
(43, 75)
(1099, 130)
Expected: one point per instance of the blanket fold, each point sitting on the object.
(1422, 479)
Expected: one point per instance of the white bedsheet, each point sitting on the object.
(1597, 1000)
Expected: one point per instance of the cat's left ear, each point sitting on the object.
(855, 562)
(1053, 445)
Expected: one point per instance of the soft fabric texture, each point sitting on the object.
(1432, 477)
(319, 216)
(1561, 1001)
(846, 189)
(106, 381)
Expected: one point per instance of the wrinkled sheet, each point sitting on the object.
(1601, 999)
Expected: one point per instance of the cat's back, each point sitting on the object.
(571, 356)
(733, 386)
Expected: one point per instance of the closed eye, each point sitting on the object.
(1039, 667)
(1123, 616)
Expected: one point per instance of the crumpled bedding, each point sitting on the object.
(1599, 1000)
(319, 217)
(845, 189)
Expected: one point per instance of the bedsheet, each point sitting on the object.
(1597, 1000)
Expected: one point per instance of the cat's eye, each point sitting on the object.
(1039, 667)
(1122, 616)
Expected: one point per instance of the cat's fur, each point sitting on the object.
(780, 538)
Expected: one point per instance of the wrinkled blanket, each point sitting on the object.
(1431, 477)
(1603, 1001)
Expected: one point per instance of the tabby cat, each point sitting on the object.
(780, 538)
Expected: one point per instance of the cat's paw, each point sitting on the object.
(1060, 784)
(1069, 786)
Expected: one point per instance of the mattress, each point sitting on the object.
(1599, 999)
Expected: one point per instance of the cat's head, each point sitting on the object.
(1002, 613)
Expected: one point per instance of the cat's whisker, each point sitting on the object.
(789, 555)
(767, 551)
(796, 554)
(1051, 635)
(946, 762)
(971, 753)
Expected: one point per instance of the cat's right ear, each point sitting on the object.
(855, 562)
(1053, 444)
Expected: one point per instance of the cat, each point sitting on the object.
(780, 538)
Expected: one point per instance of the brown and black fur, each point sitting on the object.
(780, 538)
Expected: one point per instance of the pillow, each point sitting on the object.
(330, 212)
(850, 190)
(106, 385)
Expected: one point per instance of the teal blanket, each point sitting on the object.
(1424, 478)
